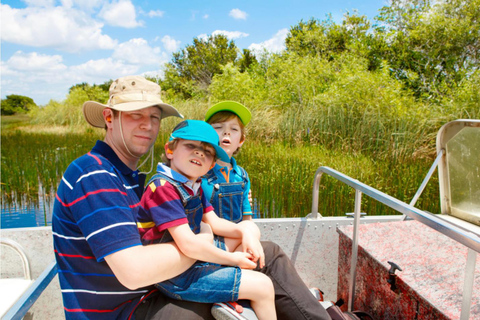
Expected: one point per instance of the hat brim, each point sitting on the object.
(237, 108)
(93, 111)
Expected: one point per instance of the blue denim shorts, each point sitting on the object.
(204, 282)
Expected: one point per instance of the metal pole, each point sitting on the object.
(427, 178)
(468, 284)
(353, 262)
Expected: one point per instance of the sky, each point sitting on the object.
(47, 46)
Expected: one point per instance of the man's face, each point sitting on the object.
(191, 158)
(140, 129)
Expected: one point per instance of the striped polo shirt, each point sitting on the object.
(93, 216)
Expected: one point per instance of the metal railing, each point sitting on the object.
(20, 308)
(451, 230)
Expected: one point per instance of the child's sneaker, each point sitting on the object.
(228, 311)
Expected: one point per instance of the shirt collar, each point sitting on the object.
(174, 175)
(106, 151)
(233, 162)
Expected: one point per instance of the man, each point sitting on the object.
(104, 271)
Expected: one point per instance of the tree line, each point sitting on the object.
(358, 85)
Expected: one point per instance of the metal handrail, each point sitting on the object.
(461, 235)
(19, 249)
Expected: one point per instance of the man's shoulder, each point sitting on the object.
(87, 163)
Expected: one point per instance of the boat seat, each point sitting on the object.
(11, 289)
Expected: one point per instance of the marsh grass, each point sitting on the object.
(282, 179)
(281, 163)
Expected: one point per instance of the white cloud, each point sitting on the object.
(120, 13)
(93, 71)
(156, 13)
(238, 14)
(34, 62)
(41, 77)
(44, 77)
(232, 35)
(170, 44)
(275, 44)
(206, 16)
(138, 52)
(56, 27)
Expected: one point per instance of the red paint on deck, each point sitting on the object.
(431, 283)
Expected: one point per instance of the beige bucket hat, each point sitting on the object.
(128, 94)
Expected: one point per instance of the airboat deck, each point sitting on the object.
(348, 257)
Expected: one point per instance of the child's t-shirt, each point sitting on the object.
(224, 175)
(161, 206)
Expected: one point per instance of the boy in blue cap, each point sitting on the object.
(173, 208)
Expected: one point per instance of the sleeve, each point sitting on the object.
(163, 206)
(207, 206)
(102, 207)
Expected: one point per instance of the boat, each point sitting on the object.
(412, 265)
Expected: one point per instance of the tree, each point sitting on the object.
(247, 60)
(326, 38)
(432, 48)
(17, 104)
(198, 63)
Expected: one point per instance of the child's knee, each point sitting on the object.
(206, 231)
(266, 284)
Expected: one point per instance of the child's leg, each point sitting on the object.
(258, 288)
(206, 231)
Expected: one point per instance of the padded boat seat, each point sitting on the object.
(10, 291)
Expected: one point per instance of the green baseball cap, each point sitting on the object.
(239, 109)
(200, 131)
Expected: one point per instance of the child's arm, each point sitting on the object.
(201, 249)
(247, 231)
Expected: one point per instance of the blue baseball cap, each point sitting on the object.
(199, 131)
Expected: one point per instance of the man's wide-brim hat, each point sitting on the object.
(129, 93)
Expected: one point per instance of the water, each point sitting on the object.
(25, 215)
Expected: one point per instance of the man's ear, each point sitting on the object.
(168, 152)
(108, 117)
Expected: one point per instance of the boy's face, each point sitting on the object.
(191, 158)
(230, 135)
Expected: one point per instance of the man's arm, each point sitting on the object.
(141, 266)
(200, 249)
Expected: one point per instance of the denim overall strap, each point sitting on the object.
(192, 204)
(227, 198)
(181, 190)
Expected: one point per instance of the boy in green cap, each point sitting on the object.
(227, 185)
(173, 208)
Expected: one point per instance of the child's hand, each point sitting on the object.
(244, 260)
(252, 245)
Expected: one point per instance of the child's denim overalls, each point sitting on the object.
(227, 198)
(192, 204)
(203, 282)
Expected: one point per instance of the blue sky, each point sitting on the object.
(47, 46)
